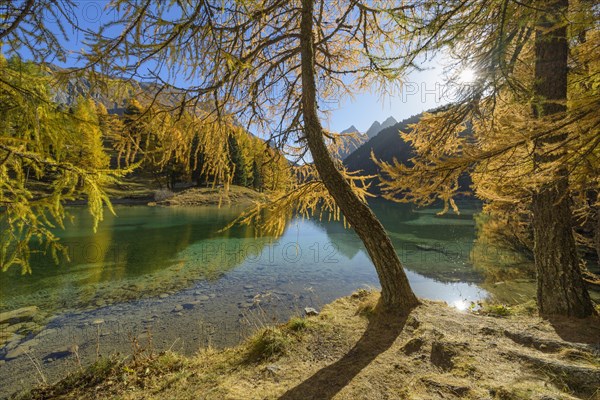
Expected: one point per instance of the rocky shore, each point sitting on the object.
(354, 350)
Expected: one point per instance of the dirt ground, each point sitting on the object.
(352, 350)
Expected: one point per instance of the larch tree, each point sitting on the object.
(88, 135)
(47, 156)
(51, 153)
(44, 160)
(534, 131)
(273, 65)
(561, 289)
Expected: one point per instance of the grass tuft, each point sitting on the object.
(91, 376)
(297, 324)
(268, 344)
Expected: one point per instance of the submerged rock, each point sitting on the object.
(20, 315)
(60, 353)
(21, 349)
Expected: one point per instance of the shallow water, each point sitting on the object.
(171, 278)
(144, 251)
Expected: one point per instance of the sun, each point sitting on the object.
(467, 76)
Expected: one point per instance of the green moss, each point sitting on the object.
(497, 310)
(527, 308)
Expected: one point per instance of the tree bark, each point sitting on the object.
(395, 289)
(560, 286)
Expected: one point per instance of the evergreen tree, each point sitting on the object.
(237, 161)
(257, 180)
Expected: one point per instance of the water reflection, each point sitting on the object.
(147, 251)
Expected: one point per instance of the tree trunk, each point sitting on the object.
(560, 287)
(395, 289)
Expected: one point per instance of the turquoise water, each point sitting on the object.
(145, 251)
(170, 279)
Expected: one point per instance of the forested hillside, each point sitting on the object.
(125, 128)
(386, 145)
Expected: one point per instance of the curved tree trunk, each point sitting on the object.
(396, 291)
(560, 286)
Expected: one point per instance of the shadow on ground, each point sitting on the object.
(381, 332)
(586, 330)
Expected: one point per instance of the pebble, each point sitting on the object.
(163, 295)
(97, 322)
(178, 308)
(274, 369)
(309, 311)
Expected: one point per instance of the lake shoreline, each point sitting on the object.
(434, 352)
(170, 274)
(188, 197)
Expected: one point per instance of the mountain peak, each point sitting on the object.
(391, 121)
(374, 129)
(351, 129)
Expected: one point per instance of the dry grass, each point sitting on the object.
(352, 350)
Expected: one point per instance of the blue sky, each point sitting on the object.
(418, 92)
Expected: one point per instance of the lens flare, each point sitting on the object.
(466, 76)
